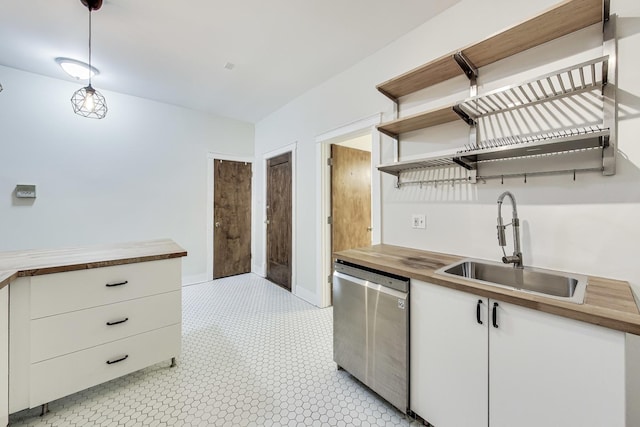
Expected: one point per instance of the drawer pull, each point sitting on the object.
(118, 322)
(111, 285)
(111, 362)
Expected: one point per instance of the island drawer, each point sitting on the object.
(64, 375)
(57, 293)
(77, 330)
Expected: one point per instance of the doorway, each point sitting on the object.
(279, 219)
(350, 196)
(366, 129)
(231, 218)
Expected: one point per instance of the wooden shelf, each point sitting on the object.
(426, 75)
(419, 121)
(562, 19)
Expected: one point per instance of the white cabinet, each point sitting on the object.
(449, 357)
(547, 370)
(530, 369)
(73, 330)
(4, 356)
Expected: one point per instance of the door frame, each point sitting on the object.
(265, 157)
(211, 156)
(343, 133)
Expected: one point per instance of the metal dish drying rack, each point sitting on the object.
(588, 76)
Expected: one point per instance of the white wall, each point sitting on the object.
(138, 174)
(588, 226)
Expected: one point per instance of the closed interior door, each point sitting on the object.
(279, 220)
(232, 218)
(350, 198)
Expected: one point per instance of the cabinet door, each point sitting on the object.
(547, 370)
(449, 351)
(4, 356)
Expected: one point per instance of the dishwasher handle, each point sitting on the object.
(367, 284)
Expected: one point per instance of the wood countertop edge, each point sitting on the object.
(97, 264)
(6, 277)
(375, 257)
(56, 265)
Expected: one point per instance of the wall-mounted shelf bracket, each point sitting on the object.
(606, 11)
(469, 70)
(463, 115)
(610, 110)
(464, 163)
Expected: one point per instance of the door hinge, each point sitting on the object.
(329, 220)
(329, 161)
(329, 279)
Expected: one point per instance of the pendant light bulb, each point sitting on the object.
(89, 100)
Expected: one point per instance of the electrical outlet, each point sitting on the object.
(418, 221)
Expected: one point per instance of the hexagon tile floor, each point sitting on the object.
(252, 355)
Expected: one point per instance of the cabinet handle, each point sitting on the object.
(495, 314)
(111, 362)
(118, 322)
(478, 312)
(111, 285)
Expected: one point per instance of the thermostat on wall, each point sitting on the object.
(26, 191)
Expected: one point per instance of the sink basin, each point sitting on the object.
(553, 284)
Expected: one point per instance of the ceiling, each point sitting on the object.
(166, 51)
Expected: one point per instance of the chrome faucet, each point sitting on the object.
(516, 258)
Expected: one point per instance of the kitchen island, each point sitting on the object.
(85, 315)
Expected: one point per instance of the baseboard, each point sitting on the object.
(259, 270)
(307, 295)
(194, 278)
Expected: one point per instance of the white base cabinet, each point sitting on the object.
(529, 369)
(449, 357)
(547, 370)
(4, 356)
(73, 330)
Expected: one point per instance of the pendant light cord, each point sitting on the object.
(90, 68)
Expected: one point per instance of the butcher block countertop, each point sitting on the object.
(609, 303)
(36, 262)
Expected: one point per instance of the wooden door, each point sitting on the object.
(278, 207)
(350, 198)
(232, 218)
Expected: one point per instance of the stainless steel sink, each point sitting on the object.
(553, 284)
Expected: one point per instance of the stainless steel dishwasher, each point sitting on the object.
(371, 329)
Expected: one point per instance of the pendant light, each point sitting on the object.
(88, 102)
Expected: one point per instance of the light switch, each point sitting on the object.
(26, 191)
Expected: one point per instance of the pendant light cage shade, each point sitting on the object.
(88, 102)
